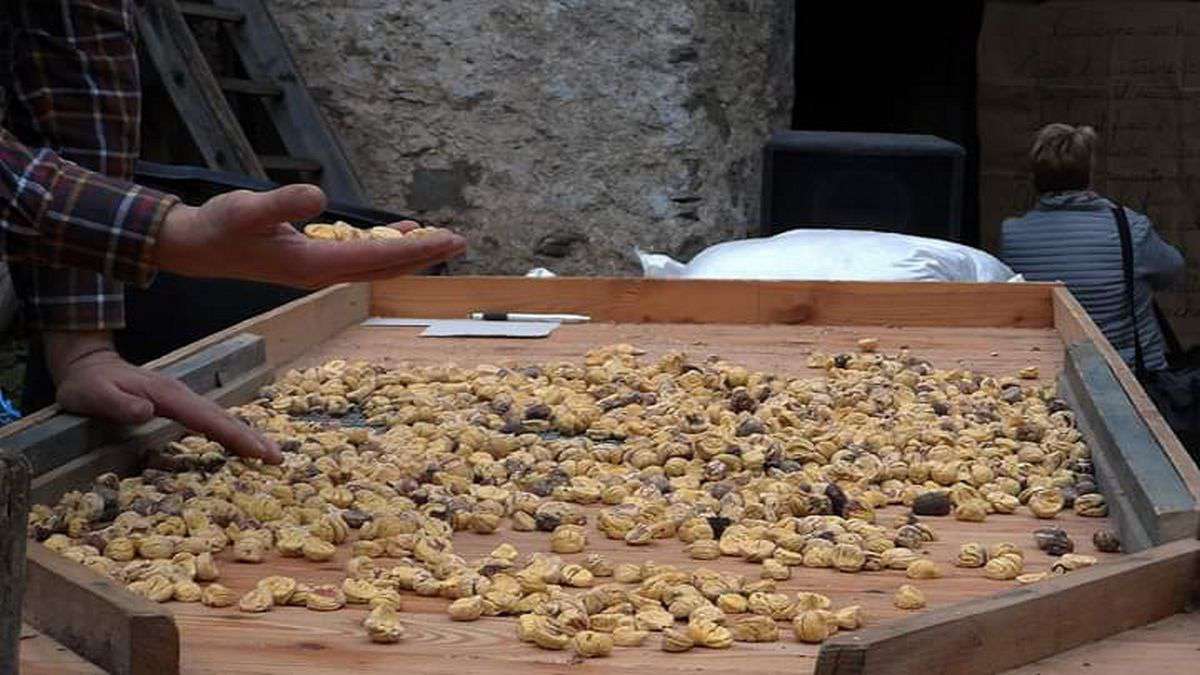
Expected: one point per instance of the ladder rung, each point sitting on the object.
(238, 85)
(286, 163)
(203, 11)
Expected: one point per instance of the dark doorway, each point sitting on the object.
(896, 68)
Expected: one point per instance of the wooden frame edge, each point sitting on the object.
(1074, 325)
(1145, 492)
(638, 300)
(117, 630)
(1025, 624)
(292, 328)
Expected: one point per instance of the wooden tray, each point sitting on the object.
(974, 625)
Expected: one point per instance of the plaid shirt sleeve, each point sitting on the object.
(76, 91)
(56, 213)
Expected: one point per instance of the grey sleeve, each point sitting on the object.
(1156, 261)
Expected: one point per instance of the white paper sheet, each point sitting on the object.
(391, 321)
(501, 329)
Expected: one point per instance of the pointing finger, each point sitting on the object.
(175, 401)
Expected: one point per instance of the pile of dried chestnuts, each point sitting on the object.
(776, 471)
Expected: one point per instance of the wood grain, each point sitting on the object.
(1074, 325)
(779, 349)
(111, 627)
(1166, 647)
(43, 655)
(625, 300)
(1025, 624)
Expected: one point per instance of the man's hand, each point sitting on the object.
(94, 380)
(246, 235)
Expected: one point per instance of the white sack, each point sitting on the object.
(833, 255)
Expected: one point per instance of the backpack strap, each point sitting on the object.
(1126, 235)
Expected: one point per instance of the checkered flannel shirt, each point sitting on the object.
(72, 225)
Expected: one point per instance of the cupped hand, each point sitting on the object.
(247, 235)
(101, 384)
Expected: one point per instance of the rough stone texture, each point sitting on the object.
(555, 133)
(1129, 68)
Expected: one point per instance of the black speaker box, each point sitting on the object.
(910, 184)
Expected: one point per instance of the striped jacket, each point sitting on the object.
(1072, 237)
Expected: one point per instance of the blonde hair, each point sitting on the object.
(1061, 157)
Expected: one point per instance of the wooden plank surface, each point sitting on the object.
(713, 301)
(113, 628)
(1025, 624)
(291, 639)
(43, 655)
(781, 349)
(1167, 647)
(1074, 325)
(1147, 495)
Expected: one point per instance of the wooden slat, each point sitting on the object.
(302, 127)
(1074, 325)
(117, 630)
(14, 513)
(201, 10)
(59, 438)
(711, 301)
(1025, 624)
(188, 79)
(238, 85)
(1145, 491)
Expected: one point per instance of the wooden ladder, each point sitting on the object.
(201, 98)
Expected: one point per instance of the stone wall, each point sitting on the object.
(1132, 70)
(555, 133)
